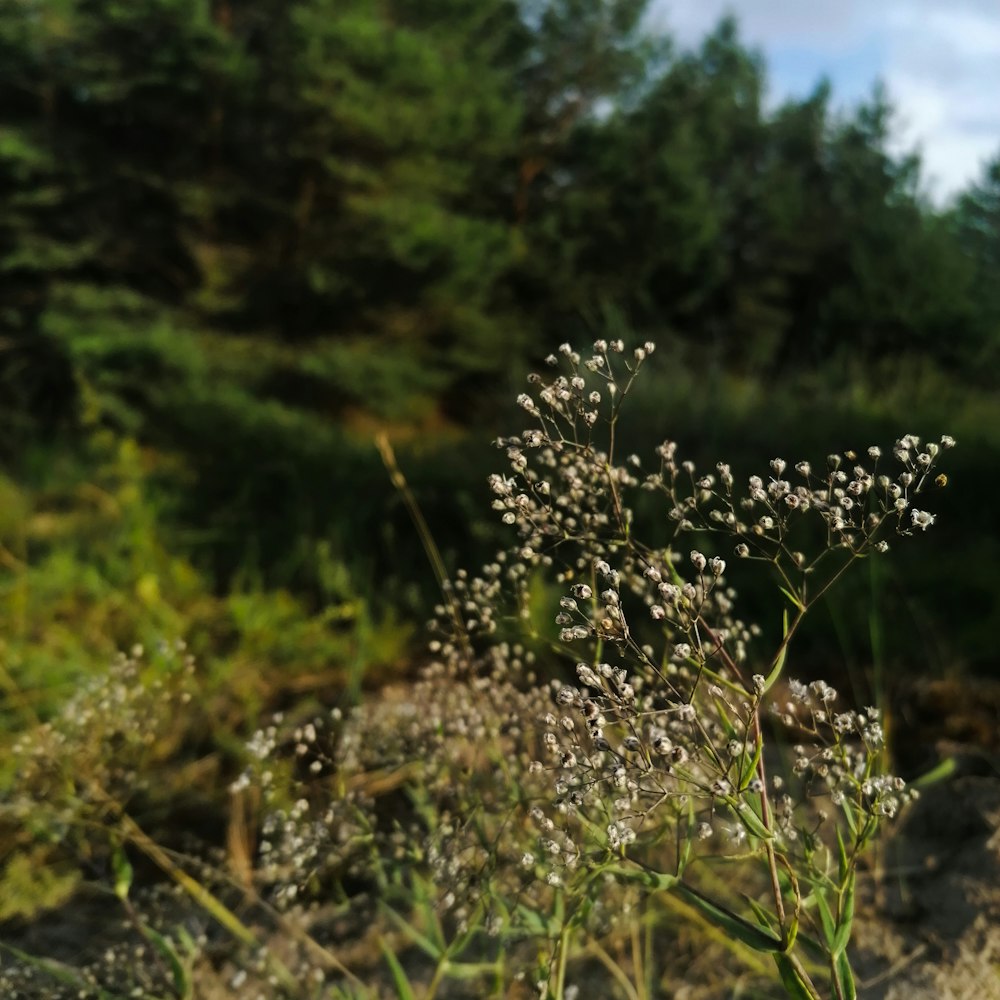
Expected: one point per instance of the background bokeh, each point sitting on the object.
(239, 240)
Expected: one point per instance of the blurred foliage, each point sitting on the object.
(238, 239)
(85, 572)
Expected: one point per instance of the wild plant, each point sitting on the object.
(681, 758)
(67, 814)
(520, 813)
(72, 817)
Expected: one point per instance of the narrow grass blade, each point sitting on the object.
(779, 663)
(791, 597)
(750, 763)
(168, 952)
(430, 916)
(422, 941)
(940, 772)
(399, 978)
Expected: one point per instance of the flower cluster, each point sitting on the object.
(660, 733)
(100, 746)
(857, 500)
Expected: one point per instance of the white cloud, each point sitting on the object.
(778, 21)
(940, 63)
(943, 72)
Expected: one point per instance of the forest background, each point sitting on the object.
(239, 240)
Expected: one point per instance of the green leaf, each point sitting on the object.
(845, 976)
(657, 881)
(846, 918)
(122, 868)
(720, 707)
(779, 663)
(753, 823)
(767, 920)
(794, 985)
(795, 600)
(750, 763)
(429, 913)
(402, 983)
(423, 942)
(939, 772)
(825, 916)
(818, 951)
(729, 922)
(844, 861)
(533, 921)
(471, 970)
(792, 932)
(688, 840)
(852, 823)
(182, 984)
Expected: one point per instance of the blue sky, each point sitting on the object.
(940, 60)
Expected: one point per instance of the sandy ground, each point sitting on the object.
(933, 932)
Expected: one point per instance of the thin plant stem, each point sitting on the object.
(614, 969)
(561, 960)
(638, 958)
(424, 533)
